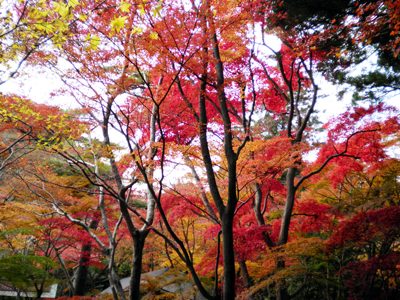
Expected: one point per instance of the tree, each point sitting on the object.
(371, 234)
(25, 272)
(44, 131)
(190, 84)
(346, 34)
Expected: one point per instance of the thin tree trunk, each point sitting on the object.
(203, 195)
(259, 213)
(115, 284)
(287, 212)
(81, 273)
(281, 291)
(244, 273)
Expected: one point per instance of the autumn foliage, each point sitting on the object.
(195, 144)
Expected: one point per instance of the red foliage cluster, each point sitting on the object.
(381, 225)
(249, 241)
(69, 238)
(373, 275)
(314, 216)
(375, 278)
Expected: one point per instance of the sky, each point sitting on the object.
(39, 88)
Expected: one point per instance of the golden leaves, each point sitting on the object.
(156, 10)
(154, 35)
(118, 23)
(295, 254)
(137, 30)
(65, 10)
(94, 42)
(141, 7)
(124, 7)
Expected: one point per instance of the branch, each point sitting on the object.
(343, 153)
(216, 264)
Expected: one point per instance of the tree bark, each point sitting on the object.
(229, 258)
(244, 273)
(259, 214)
(81, 273)
(115, 284)
(287, 212)
(281, 291)
(137, 259)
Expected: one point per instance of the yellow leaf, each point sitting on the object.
(154, 35)
(38, 26)
(141, 9)
(338, 55)
(157, 9)
(88, 37)
(63, 10)
(313, 48)
(137, 30)
(124, 7)
(73, 3)
(94, 42)
(118, 23)
(49, 28)
(56, 6)
(83, 18)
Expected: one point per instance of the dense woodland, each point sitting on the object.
(195, 144)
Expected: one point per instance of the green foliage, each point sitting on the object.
(310, 13)
(124, 269)
(24, 272)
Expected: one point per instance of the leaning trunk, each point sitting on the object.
(244, 273)
(116, 288)
(281, 291)
(258, 212)
(287, 212)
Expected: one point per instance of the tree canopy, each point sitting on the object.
(195, 144)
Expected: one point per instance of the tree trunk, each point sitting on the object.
(287, 212)
(137, 258)
(229, 258)
(81, 273)
(39, 290)
(115, 283)
(258, 212)
(244, 273)
(281, 291)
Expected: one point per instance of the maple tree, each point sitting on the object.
(46, 136)
(196, 85)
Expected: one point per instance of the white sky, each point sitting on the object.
(39, 88)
